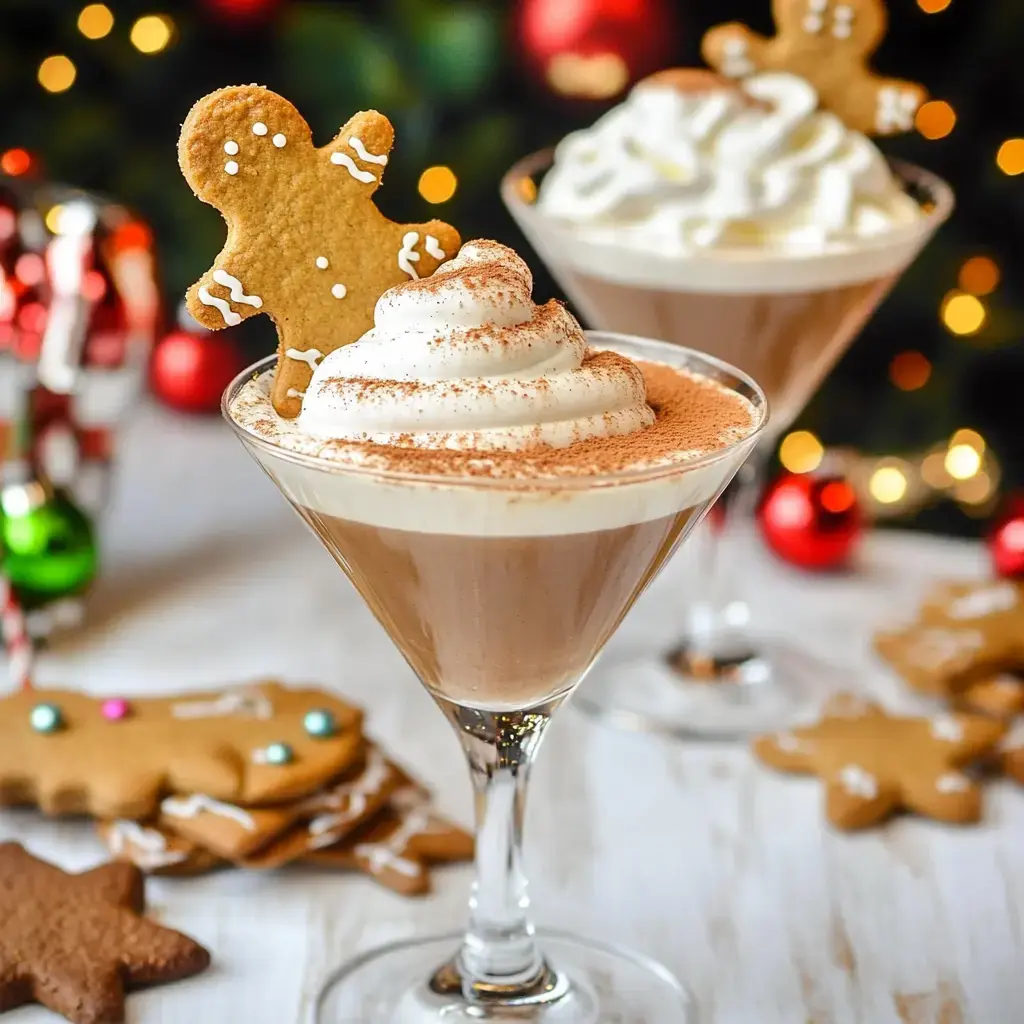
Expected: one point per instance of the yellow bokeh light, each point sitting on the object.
(801, 452)
(57, 73)
(933, 470)
(969, 437)
(933, 6)
(152, 33)
(976, 490)
(438, 184)
(979, 276)
(52, 219)
(95, 21)
(1010, 157)
(887, 485)
(598, 76)
(963, 314)
(935, 119)
(962, 461)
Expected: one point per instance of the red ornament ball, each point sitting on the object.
(1006, 540)
(191, 371)
(593, 49)
(813, 522)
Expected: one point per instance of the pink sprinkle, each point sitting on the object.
(115, 709)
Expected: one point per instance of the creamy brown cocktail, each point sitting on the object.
(500, 487)
(740, 219)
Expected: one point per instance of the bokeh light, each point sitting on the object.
(887, 485)
(152, 33)
(933, 470)
(438, 184)
(963, 314)
(933, 6)
(598, 76)
(935, 119)
(979, 275)
(95, 21)
(801, 452)
(837, 496)
(910, 371)
(969, 437)
(1010, 157)
(976, 490)
(52, 219)
(57, 73)
(962, 461)
(15, 162)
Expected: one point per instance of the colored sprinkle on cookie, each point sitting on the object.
(306, 243)
(874, 764)
(829, 43)
(74, 943)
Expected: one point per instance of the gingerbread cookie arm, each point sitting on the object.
(888, 108)
(735, 51)
(855, 798)
(360, 152)
(945, 796)
(787, 751)
(221, 298)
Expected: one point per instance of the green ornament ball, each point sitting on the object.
(47, 548)
(46, 718)
(320, 723)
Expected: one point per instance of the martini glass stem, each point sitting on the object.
(718, 626)
(499, 960)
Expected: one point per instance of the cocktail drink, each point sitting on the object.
(500, 488)
(739, 219)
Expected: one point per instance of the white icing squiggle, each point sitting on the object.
(222, 277)
(364, 154)
(295, 393)
(147, 846)
(750, 165)
(407, 255)
(323, 829)
(310, 355)
(237, 702)
(231, 318)
(350, 165)
(393, 853)
(433, 247)
(464, 359)
(198, 803)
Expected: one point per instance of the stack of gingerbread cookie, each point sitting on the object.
(258, 776)
(965, 648)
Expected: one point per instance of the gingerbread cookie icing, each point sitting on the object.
(829, 43)
(306, 244)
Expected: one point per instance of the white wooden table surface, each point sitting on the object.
(689, 853)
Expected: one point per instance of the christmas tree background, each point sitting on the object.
(95, 94)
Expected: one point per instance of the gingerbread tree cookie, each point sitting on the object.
(306, 243)
(873, 763)
(74, 942)
(829, 43)
(965, 645)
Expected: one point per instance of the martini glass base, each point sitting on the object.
(772, 688)
(592, 983)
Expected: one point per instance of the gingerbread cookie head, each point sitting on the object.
(829, 43)
(306, 244)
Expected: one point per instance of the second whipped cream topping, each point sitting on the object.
(465, 360)
(691, 161)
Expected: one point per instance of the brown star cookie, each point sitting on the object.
(397, 846)
(74, 943)
(873, 763)
(829, 43)
(154, 850)
(306, 243)
(67, 753)
(966, 635)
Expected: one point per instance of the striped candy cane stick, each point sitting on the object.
(20, 650)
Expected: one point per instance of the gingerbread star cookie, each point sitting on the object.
(966, 644)
(74, 943)
(306, 243)
(829, 43)
(874, 764)
(70, 753)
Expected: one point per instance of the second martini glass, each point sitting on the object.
(500, 594)
(785, 319)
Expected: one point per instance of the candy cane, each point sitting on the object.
(20, 651)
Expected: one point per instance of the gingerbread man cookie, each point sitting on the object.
(965, 644)
(306, 243)
(873, 763)
(828, 43)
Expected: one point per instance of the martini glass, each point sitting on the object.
(552, 566)
(785, 319)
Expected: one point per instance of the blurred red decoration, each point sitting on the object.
(1006, 540)
(812, 522)
(190, 371)
(238, 12)
(16, 162)
(594, 49)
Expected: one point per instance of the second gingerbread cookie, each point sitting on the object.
(306, 243)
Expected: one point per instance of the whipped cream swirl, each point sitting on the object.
(694, 161)
(465, 360)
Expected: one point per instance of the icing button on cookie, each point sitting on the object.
(276, 753)
(46, 718)
(115, 709)
(320, 723)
